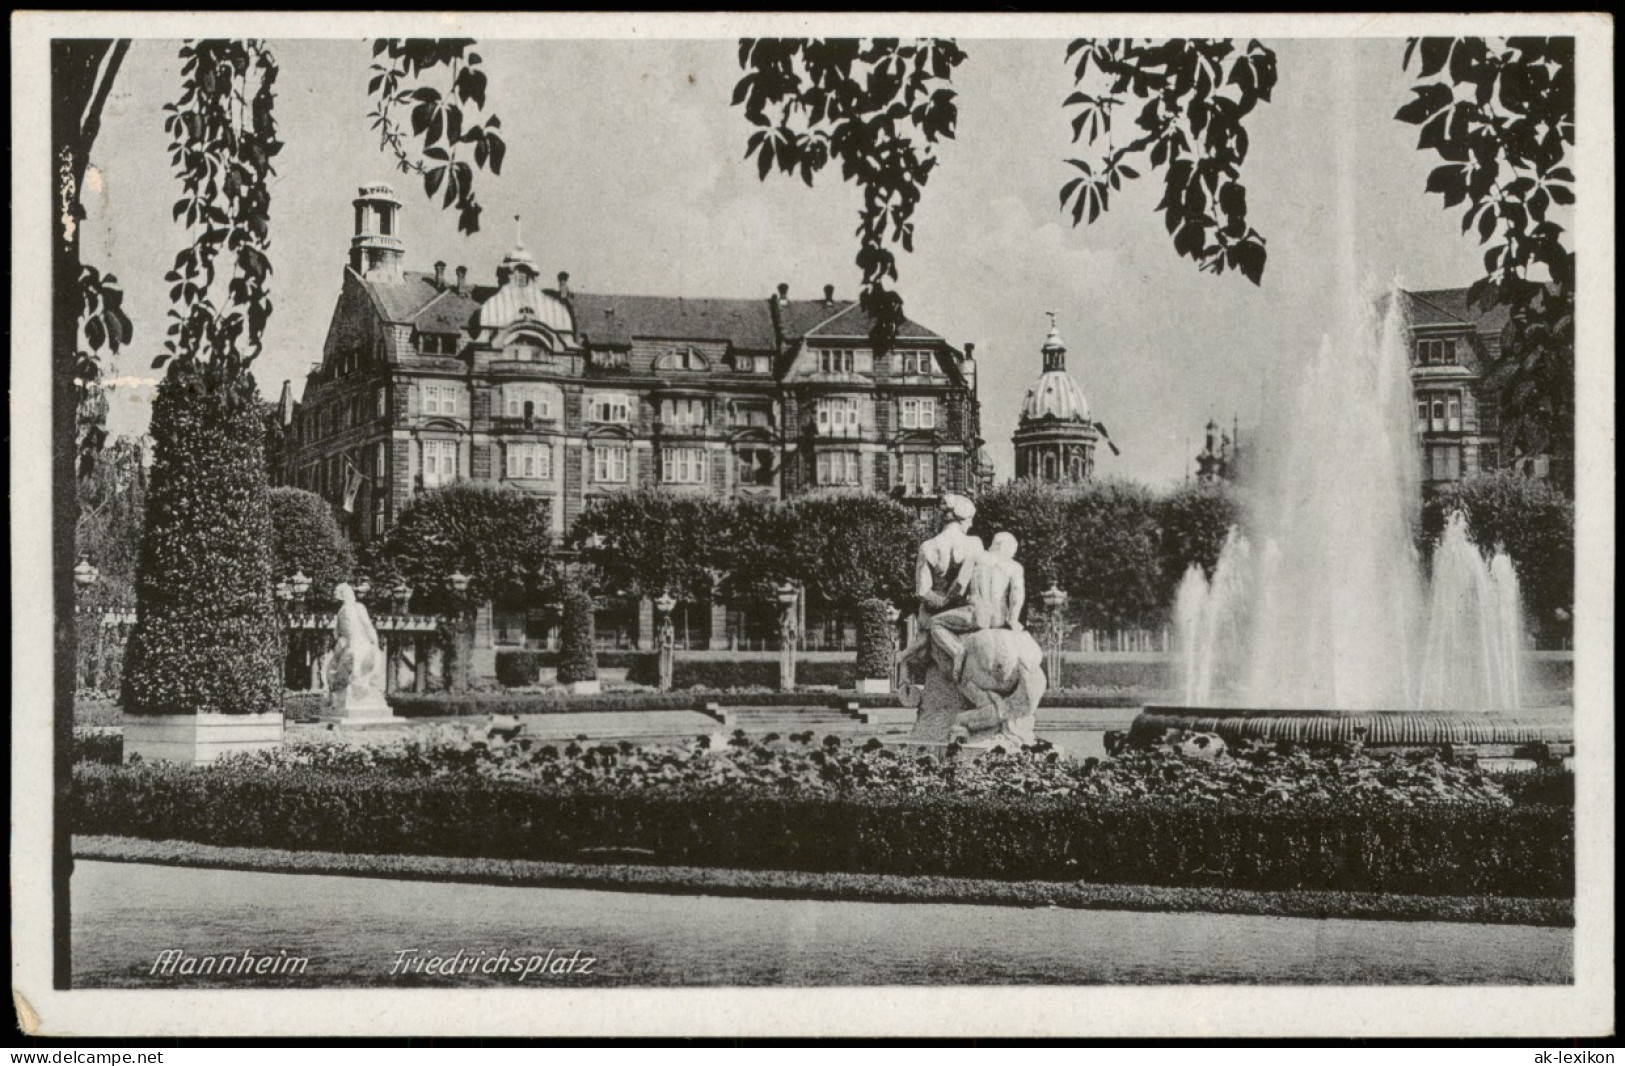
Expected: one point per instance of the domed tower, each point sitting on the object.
(1055, 438)
(377, 248)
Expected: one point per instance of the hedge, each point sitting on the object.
(874, 640)
(580, 657)
(1456, 849)
(518, 667)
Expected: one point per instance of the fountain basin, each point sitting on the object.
(1479, 730)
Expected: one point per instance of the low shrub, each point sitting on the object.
(98, 745)
(97, 712)
(1468, 847)
(517, 667)
(305, 706)
(1139, 675)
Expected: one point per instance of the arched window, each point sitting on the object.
(1050, 473)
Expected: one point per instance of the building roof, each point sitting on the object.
(1449, 307)
(1056, 395)
(612, 320)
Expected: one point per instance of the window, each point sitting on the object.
(1443, 462)
(526, 350)
(839, 468)
(753, 414)
(437, 343)
(539, 397)
(683, 412)
(919, 414)
(1051, 473)
(756, 466)
(917, 473)
(529, 459)
(609, 407)
(609, 462)
(378, 513)
(1489, 458)
(440, 399)
(752, 364)
(381, 402)
(685, 359)
(1421, 414)
(609, 360)
(379, 461)
(683, 466)
(837, 360)
(1436, 352)
(838, 417)
(1454, 418)
(439, 462)
(923, 364)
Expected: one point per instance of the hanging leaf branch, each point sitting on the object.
(878, 106)
(1196, 94)
(441, 138)
(103, 327)
(1500, 115)
(223, 138)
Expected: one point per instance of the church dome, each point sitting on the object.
(1055, 395)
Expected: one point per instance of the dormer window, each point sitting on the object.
(685, 359)
(1436, 351)
(837, 360)
(437, 343)
(609, 360)
(917, 363)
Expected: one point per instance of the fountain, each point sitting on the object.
(1318, 624)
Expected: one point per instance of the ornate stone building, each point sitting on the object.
(1452, 342)
(1055, 438)
(427, 378)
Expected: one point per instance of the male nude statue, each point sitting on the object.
(942, 572)
(998, 586)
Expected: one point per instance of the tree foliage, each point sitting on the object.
(306, 539)
(847, 547)
(579, 657)
(1032, 512)
(1499, 113)
(654, 541)
(878, 106)
(206, 639)
(493, 533)
(1530, 520)
(439, 118)
(1196, 97)
(1192, 522)
(222, 141)
(112, 513)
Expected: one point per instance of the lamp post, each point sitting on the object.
(666, 638)
(892, 615)
(458, 583)
(85, 576)
(301, 587)
(401, 594)
(786, 595)
(1055, 599)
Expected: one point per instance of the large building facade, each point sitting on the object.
(1458, 425)
(426, 379)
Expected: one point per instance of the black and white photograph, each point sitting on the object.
(742, 525)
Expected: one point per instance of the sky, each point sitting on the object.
(627, 163)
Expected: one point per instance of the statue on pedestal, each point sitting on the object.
(355, 673)
(983, 671)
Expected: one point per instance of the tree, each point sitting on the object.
(1109, 563)
(112, 505)
(654, 541)
(1193, 521)
(206, 637)
(1197, 94)
(880, 107)
(493, 533)
(1499, 113)
(1034, 513)
(1530, 520)
(306, 539)
(847, 547)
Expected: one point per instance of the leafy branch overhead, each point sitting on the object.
(222, 141)
(442, 135)
(1500, 115)
(878, 106)
(102, 325)
(1197, 95)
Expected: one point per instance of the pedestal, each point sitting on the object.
(873, 686)
(199, 738)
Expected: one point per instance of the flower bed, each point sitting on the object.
(1263, 820)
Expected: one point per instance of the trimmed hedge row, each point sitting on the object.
(559, 701)
(1456, 849)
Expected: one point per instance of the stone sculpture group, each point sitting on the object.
(355, 674)
(983, 672)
